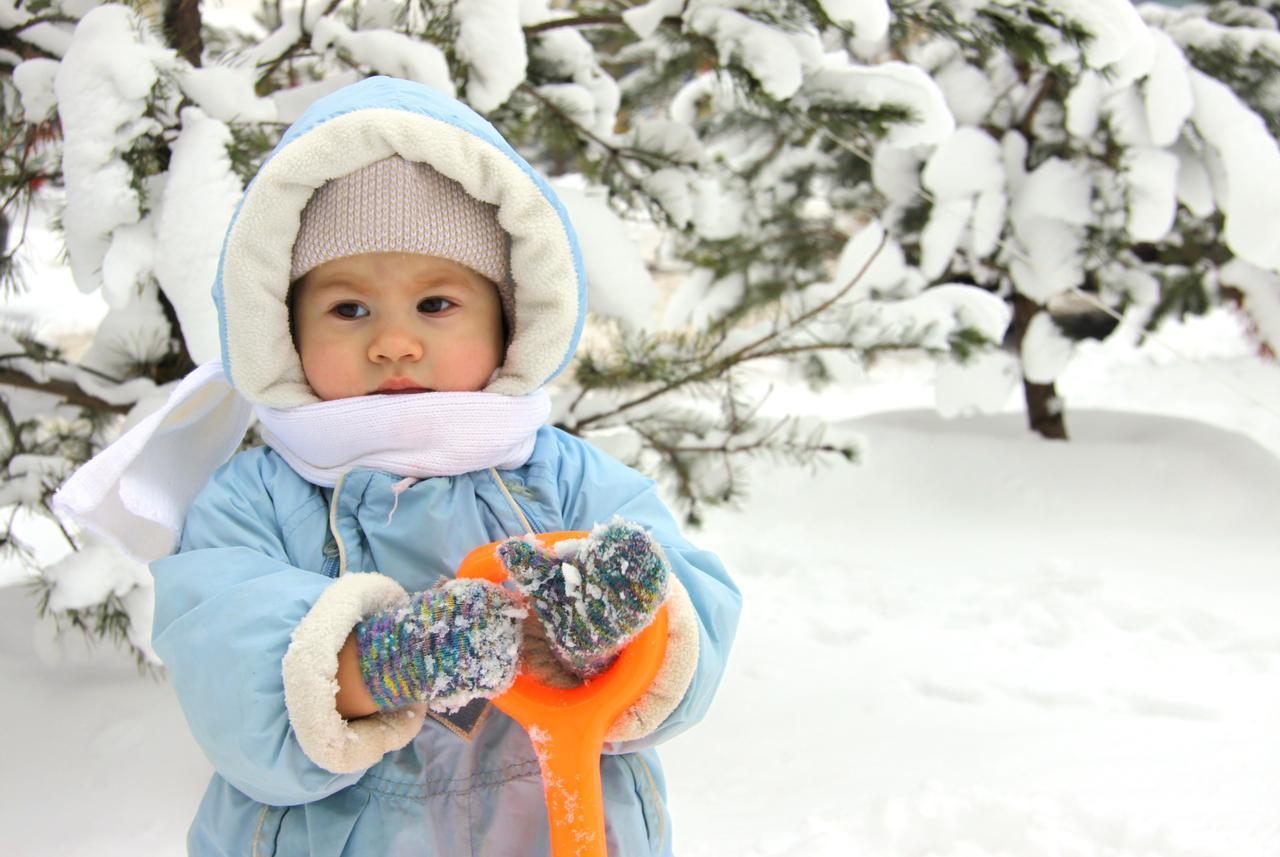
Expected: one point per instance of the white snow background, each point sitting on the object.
(974, 643)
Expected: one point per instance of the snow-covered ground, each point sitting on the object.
(974, 643)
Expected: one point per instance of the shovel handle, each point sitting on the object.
(567, 725)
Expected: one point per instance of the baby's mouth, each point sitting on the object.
(397, 386)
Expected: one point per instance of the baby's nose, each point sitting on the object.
(395, 344)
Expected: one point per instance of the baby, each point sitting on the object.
(395, 290)
(398, 323)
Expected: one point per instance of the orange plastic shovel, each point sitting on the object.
(567, 725)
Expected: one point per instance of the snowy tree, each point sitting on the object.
(1237, 44)
(1105, 157)
(702, 132)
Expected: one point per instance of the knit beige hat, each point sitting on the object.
(397, 206)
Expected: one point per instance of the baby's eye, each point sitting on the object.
(349, 310)
(430, 306)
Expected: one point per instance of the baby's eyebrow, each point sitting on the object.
(432, 281)
(341, 283)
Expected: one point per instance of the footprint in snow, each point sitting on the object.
(1156, 706)
(963, 694)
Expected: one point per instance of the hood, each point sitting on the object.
(352, 128)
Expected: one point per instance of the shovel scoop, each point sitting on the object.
(567, 725)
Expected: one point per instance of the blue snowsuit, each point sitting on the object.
(263, 552)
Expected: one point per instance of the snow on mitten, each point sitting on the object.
(446, 646)
(592, 595)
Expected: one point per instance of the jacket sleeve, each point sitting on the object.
(703, 604)
(250, 643)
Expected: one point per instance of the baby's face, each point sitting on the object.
(396, 323)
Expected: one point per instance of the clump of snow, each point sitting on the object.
(227, 93)
(619, 285)
(28, 477)
(718, 208)
(1195, 185)
(928, 320)
(291, 103)
(988, 222)
(702, 298)
(48, 37)
(492, 44)
(763, 51)
(34, 80)
(1190, 27)
(673, 140)
(1084, 104)
(895, 173)
(1045, 350)
(195, 208)
(76, 8)
(11, 16)
(1048, 211)
(891, 83)
(1151, 179)
(1120, 40)
(1250, 159)
(128, 260)
(1168, 91)
(234, 20)
(131, 334)
(962, 171)
(886, 272)
(713, 88)
(386, 52)
(1261, 296)
(965, 164)
(968, 89)
(1124, 284)
(671, 188)
(1049, 259)
(941, 235)
(868, 18)
(269, 47)
(573, 100)
(102, 86)
(566, 53)
(1126, 115)
(644, 19)
(87, 577)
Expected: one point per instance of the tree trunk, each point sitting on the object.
(182, 29)
(1044, 408)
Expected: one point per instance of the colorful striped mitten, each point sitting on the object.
(446, 646)
(592, 595)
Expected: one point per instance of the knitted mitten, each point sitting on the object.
(592, 595)
(446, 646)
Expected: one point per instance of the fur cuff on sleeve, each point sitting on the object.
(649, 711)
(310, 669)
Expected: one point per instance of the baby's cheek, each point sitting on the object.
(330, 376)
(460, 373)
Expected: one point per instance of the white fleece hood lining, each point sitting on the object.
(263, 363)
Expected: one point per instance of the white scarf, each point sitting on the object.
(136, 491)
